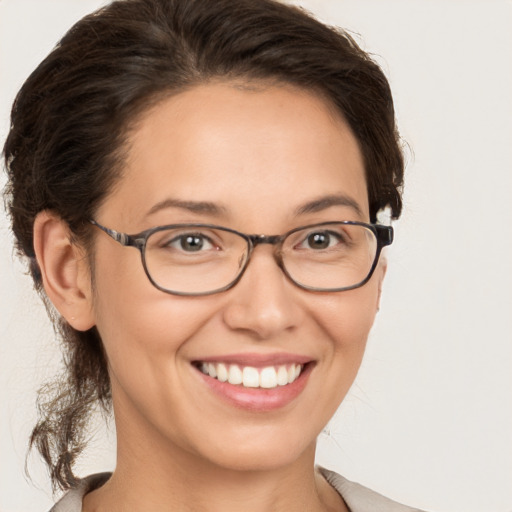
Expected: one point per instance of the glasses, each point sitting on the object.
(203, 259)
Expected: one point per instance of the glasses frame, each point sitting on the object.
(383, 234)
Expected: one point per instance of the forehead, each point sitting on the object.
(256, 152)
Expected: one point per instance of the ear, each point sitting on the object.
(64, 269)
(381, 269)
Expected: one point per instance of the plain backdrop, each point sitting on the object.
(429, 419)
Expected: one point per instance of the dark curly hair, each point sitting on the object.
(71, 119)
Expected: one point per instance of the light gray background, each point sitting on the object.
(429, 420)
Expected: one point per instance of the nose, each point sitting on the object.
(264, 302)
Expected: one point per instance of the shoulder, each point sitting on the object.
(72, 500)
(361, 499)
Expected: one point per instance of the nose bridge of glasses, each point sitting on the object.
(274, 240)
(265, 239)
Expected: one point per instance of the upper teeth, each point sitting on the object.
(250, 377)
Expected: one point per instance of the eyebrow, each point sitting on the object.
(204, 207)
(209, 208)
(322, 203)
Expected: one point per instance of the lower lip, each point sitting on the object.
(258, 399)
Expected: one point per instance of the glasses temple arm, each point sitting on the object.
(385, 235)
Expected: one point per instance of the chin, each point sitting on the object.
(267, 450)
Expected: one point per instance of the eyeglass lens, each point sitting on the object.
(199, 260)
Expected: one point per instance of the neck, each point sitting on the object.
(164, 485)
(156, 475)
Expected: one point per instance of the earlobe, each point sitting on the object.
(64, 270)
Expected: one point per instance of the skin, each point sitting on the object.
(259, 154)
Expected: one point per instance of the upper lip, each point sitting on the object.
(257, 360)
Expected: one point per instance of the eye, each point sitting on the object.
(191, 242)
(320, 240)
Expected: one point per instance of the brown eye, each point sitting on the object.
(319, 240)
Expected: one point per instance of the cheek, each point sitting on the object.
(139, 323)
(347, 317)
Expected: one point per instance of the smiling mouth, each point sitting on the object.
(267, 377)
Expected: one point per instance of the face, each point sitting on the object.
(257, 157)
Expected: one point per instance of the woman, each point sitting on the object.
(196, 185)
